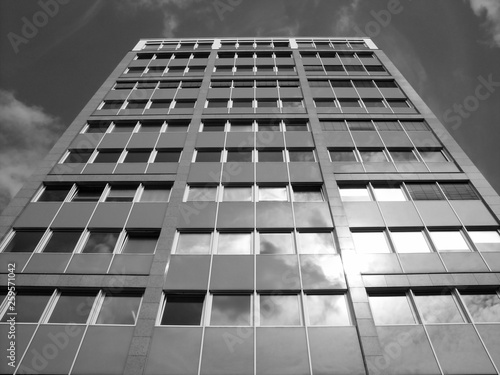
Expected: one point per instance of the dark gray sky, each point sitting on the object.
(447, 49)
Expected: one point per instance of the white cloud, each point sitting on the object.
(26, 135)
(490, 9)
(345, 17)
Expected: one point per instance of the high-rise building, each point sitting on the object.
(253, 206)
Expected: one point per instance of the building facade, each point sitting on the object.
(253, 206)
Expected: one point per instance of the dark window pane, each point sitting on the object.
(397, 103)
(24, 242)
(388, 126)
(147, 84)
(433, 156)
(386, 84)
(363, 83)
(242, 103)
(88, 194)
(239, 155)
(121, 194)
(292, 103)
(407, 156)
(97, 126)
(307, 194)
(213, 126)
(342, 156)
(119, 310)
(160, 104)
(155, 194)
(101, 242)
(360, 125)
(137, 104)
(374, 103)
(243, 84)
(217, 103)
(29, 307)
(375, 69)
(124, 85)
(150, 126)
(267, 103)
(54, 194)
(297, 156)
(137, 157)
(276, 243)
(415, 125)
(341, 83)
(107, 157)
(317, 83)
(72, 308)
(62, 242)
(269, 127)
(300, 126)
(208, 156)
(230, 310)
(333, 125)
(269, 156)
(354, 68)
(325, 103)
(334, 68)
(459, 191)
(421, 192)
(183, 310)
(373, 156)
(220, 84)
(140, 243)
(169, 84)
(167, 157)
(78, 156)
(112, 104)
(178, 126)
(185, 103)
(124, 127)
(282, 83)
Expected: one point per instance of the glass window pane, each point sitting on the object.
(193, 243)
(24, 242)
(301, 156)
(389, 194)
(342, 156)
(241, 127)
(410, 242)
(407, 156)
(124, 127)
(391, 310)
(483, 308)
(449, 241)
(237, 194)
(438, 309)
(433, 156)
(279, 310)
(270, 156)
(140, 243)
(88, 194)
(370, 242)
(239, 156)
(62, 242)
(167, 156)
(459, 191)
(150, 127)
(202, 193)
(119, 310)
(101, 242)
(78, 156)
(275, 243)
(208, 156)
(29, 307)
(155, 194)
(107, 157)
(183, 310)
(121, 194)
(72, 308)
(354, 194)
(234, 243)
(488, 240)
(272, 194)
(54, 194)
(373, 156)
(327, 310)
(316, 243)
(232, 310)
(429, 191)
(311, 194)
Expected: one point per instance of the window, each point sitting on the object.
(150, 127)
(29, 306)
(279, 310)
(231, 310)
(140, 243)
(273, 194)
(240, 155)
(267, 103)
(403, 156)
(148, 85)
(349, 103)
(292, 103)
(285, 68)
(101, 243)
(243, 83)
(324, 103)
(265, 68)
(428, 192)
(485, 240)
(214, 84)
(88, 194)
(270, 127)
(398, 103)
(23, 241)
(296, 126)
(107, 157)
(337, 83)
(373, 103)
(283, 83)
(124, 127)
(54, 193)
(386, 84)
(121, 194)
(184, 103)
(112, 104)
(354, 68)
(370, 242)
(234, 243)
(97, 126)
(373, 156)
(360, 125)
(242, 103)
(224, 69)
(327, 310)
(207, 156)
(333, 125)
(315, 243)
(216, 103)
(124, 85)
(156, 69)
(193, 243)
(78, 156)
(168, 85)
(214, 125)
(354, 194)
(334, 68)
(166, 156)
(177, 126)
(339, 156)
(319, 83)
(119, 309)
(307, 194)
(62, 242)
(72, 308)
(410, 242)
(237, 194)
(449, 241)
(241, 126)
(155, 194)
(136, 104)
(363, 83)
(391, 310)
(301, 156)
(183, 310)
(191, 84)
(176, 69)
(270, 156)
(433, 156)
(160, 104)
(459, 191)
(388, 194)
(375, 69)
(137, 157)
(484, 307)
(202, 193)
(415, 125)
(438, 309)
(313, 68)
(388, 126)
(193, 69)
(275, 243)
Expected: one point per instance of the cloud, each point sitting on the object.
(26, 135)
(490, 10)
(345, 17)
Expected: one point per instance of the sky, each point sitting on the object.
(55, 54)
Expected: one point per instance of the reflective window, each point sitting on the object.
(483, 308)
(234, 243)
(163, 156)
(354, 194)
(124, 127)
(29, 307)
(301, 156)
(279, 310)
(54, 193)
(239, 155)
(275, 243)
(78, 156)
(391, 310)
(327, 310)
(487, 240)
(370, 242)
(231, 310)
(208, 156)
(107, 157)
(140, 243)
(315, 243)
(242, 103)
(101, 242)
(237, 194)
(388, 194)
(307, 194)
(72, 308)
(438, 309)
(119, 309)
(177, 127)
(88, 193)
(23, 241)
(325, 103)
(337, 156)
(121, 194)
(214, 126)
(155, 194)
(62, 242)
(433, 156)
(183, 310)
(404, 156)
(426, 191)
(241, 126)
(202, 193)
(410, 242)
(150, 126)
(459, 191)
(449, 241)
(374, 156)
(193, 243)
(270, 156)
(272, 194)
(271, 127)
